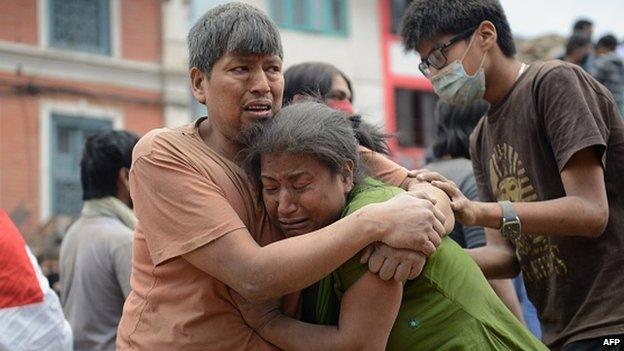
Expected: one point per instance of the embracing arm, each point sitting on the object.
(291, 264)
(441, 200)
(367, 313)
(384, 169)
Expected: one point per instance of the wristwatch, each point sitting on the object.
(511, 227)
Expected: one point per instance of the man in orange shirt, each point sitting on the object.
(202, 228)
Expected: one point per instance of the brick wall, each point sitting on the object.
(141, 30)
(19, 21)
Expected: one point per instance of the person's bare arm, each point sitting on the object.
(289, 265)
(442, 201)
(507, 293)
(584, 211)
(497, 259)
(386, 170)
(364, 324)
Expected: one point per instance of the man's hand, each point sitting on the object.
(257, 314)
(410, 222)
(466, 211)
(390, 262)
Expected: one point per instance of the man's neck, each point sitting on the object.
(500, 79)
(217, 141)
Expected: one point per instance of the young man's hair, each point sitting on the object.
(608, 42)
(103, 156)
(581, 24)
(311, 79)
(455, 123)
(575, 42)
(425, 19)
(233, 27)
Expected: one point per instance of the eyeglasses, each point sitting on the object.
(437, 58)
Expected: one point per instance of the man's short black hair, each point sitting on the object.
(575, 42)
(424, 19)
(608, 42)
(581, 24)
(104, 155)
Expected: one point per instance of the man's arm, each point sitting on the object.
(364, 324)
(584, 211)
(497, 259)
(384, 169)
(291, 264)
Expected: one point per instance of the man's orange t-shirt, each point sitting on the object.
(185, 196)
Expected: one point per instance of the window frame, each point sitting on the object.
(48, 108)
(326, 14)
(85, 125)
(110, 36)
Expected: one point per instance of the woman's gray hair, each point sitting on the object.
(306, 128)
(233, 27)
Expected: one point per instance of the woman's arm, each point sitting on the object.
(367, 313)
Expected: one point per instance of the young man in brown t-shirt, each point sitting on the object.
(201, 228)
(553, 144)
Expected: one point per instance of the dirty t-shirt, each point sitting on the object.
(518, 150)
(186, 196)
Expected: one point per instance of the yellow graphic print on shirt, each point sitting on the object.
(538, 258)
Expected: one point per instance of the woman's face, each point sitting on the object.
(340, 89)
(301, 194)
(339, 96)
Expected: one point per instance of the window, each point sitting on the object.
(415, 120)
(318, 16)
(81, 25)
(397, 9)
(67, 142)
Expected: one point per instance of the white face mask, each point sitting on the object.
(454, 86)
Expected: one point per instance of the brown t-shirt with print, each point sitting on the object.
(185, 196)
(519, 149)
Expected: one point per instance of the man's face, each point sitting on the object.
(454, 52)
(243, 89)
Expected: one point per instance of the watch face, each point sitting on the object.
(511, 229)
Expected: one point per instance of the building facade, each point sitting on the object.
(70, 68)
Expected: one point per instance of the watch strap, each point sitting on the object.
(509, 214)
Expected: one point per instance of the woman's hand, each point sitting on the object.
(466, 211)
(257, 314)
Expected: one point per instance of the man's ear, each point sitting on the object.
(198, 82)
(487, 34)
